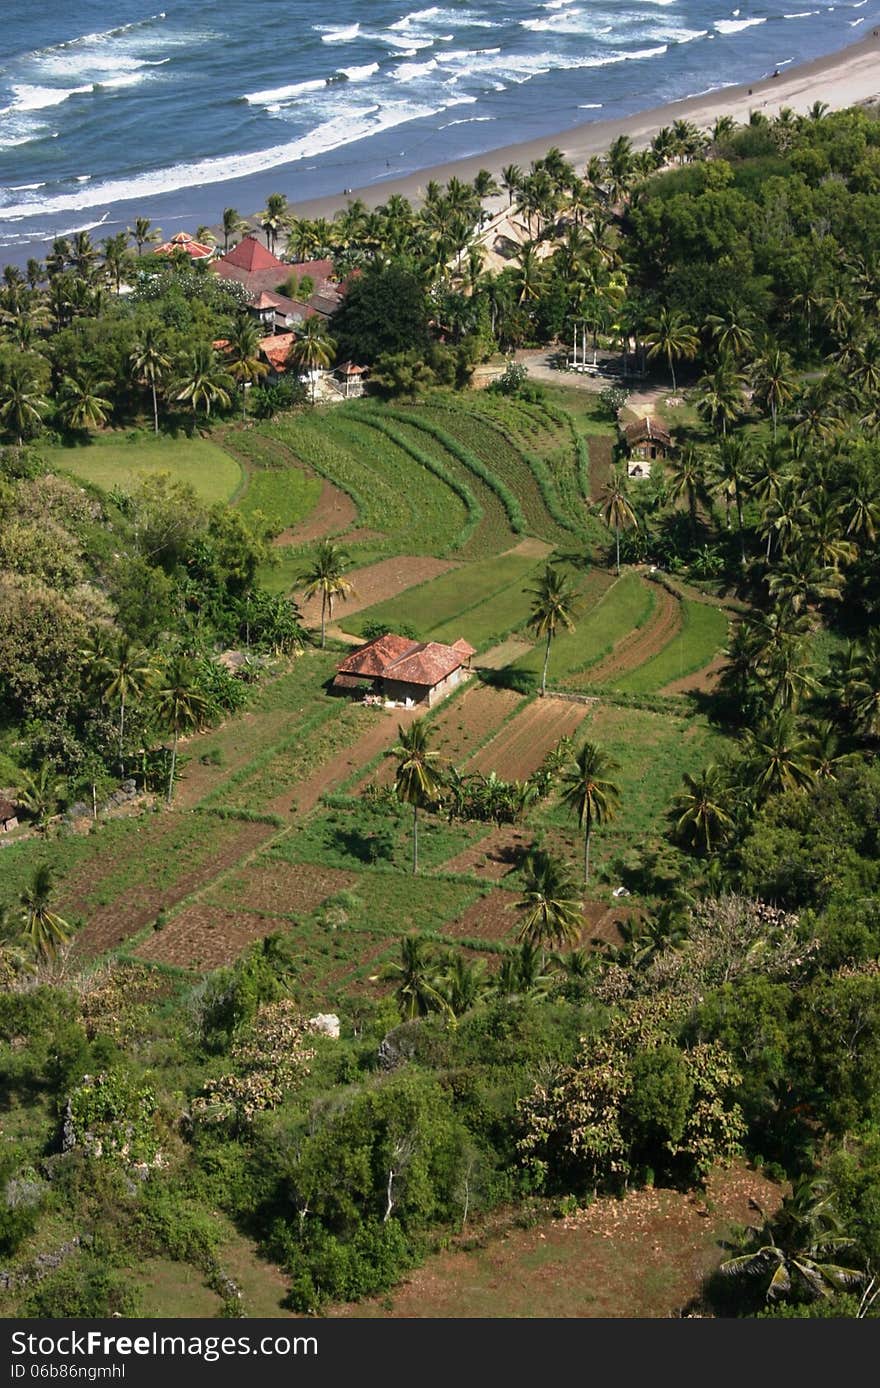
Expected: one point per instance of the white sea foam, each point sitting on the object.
(347, 127)
(800, 14)
(25, 187)
(466, 120)
(337, 33)
(853, 22)
(675, 33)
(28, 98)
(279, 94)
(359, 74)
(407, 72)
(733, 26)
(409, 43)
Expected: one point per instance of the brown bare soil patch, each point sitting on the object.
(204, 937)
(701, 681)
(519, 748)
(601, 449)
(334, 513)
(111, 925)
(380, 736)
(492, 857)
(531, 548)
(378, 583)
(465, 724)
(281, 888)
(493, 917)
(639, 645)
(644, 1256)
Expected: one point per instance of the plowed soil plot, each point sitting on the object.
(637, 646)
(377, 583)
(701, 681)
(204, 937)
(283, 888)
(522, 744)
(493, 917)
(464, 725)
(136, 906)
(601, 449)
(334, 512)
(494, 856)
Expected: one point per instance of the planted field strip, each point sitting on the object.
(480, 602)
(493, 856)
(607, 610)
(702, 634)
(423, 437)
(522, 744)
(377, 583)
(504, 654)
(601, 464)
(495, 917)
(417, 511)
(380, 732)
(639, 648)
(205, 937)
(465, 724)
(282, 491)
(108, 462)
(166, 877)
(481, 435)
(563, 518)
(270, 886)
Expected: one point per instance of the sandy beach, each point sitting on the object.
(841, 79)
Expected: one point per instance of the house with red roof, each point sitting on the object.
(403, 671)
(253, 265)
(182, 241)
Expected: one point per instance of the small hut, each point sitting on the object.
(644, 441)
(184, 242)
(350, 378)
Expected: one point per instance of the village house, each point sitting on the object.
(403, 671)
(644, 441)
(250, 263)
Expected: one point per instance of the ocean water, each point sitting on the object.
(177, 113)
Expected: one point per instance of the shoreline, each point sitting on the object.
(847, 77)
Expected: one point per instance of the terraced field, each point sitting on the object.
(518, 749)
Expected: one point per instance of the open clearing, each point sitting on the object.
(109, 462)
(644, 1256)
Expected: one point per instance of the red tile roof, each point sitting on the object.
(317, 270)
(250, 254)
(276, 349)
(411, 662)
(182, 241)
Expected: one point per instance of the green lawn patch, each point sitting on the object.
(117, 462)
(285, 496)
(703, 633)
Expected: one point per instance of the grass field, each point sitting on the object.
(702, 635)
(117, 462)
(480, 602)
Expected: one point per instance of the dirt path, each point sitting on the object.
(701, 681)
(378, 583)
(638, 646)
(641, 1257)
(334, 513)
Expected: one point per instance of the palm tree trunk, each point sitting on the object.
(546, 662)
(121, 730)
(415, 839)
(170, 792)
(155, 410)
(672, 372)
(588, 828)
(617, 538)
(323, 619)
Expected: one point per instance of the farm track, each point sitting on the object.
(700, 681)
(521, 745)
(377, 583)
(638, 646)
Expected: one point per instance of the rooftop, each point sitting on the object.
(399, 658)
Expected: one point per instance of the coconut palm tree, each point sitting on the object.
(313, 349)
(325, 576)
(419, 990)
(720, 397)
(143, 233)
(552, 609)
(202, 379)
(40, 792)
(151, 364)
(617, 512)
(553, 913)
(274, 218)
(511, 181)
(232, 224)
(179, 706)
(121, 671)
(418, 780)
(243, 360)
(22, 402)
(463, 983)
(671, 337)
(780, 755)
(587, 792)
(116, 258)
(44, 931)
(688, 479)
(700, 810)
(81, 404)
(733, 464)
